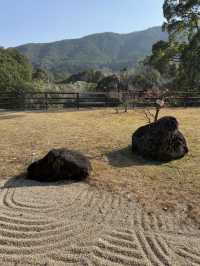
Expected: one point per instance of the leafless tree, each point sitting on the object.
(154, 117)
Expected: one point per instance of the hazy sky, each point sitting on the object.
(24, 21)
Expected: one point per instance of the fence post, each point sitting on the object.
(77, 100)
(24, 101)
(46, 100)
(106, 100)
(185, 101)
(133, 100)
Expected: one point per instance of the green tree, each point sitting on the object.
(40, 75)
(164, 58)
(179, 57)
(189, 74)
(14, 70)
(182, 16)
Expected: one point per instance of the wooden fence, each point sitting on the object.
(172, 99)
(48, 100)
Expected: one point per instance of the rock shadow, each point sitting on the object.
(125, 158)
(21, 180)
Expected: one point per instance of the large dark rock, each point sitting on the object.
(60, 164)
(160, 141)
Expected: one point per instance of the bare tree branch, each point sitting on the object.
(148, 115)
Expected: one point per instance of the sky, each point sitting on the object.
(27, 21)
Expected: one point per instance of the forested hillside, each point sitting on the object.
(104, 50)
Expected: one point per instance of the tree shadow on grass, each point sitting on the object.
(10, 116)
(125, 158)
(21, 180)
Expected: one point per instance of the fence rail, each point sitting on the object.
(46, 100)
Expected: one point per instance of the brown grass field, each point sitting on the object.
(105, 137)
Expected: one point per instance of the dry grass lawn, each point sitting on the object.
(105, 137)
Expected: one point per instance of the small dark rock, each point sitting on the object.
(161, 141)
(60, 164)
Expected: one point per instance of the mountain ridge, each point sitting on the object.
(100, 50)
(85, 36)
